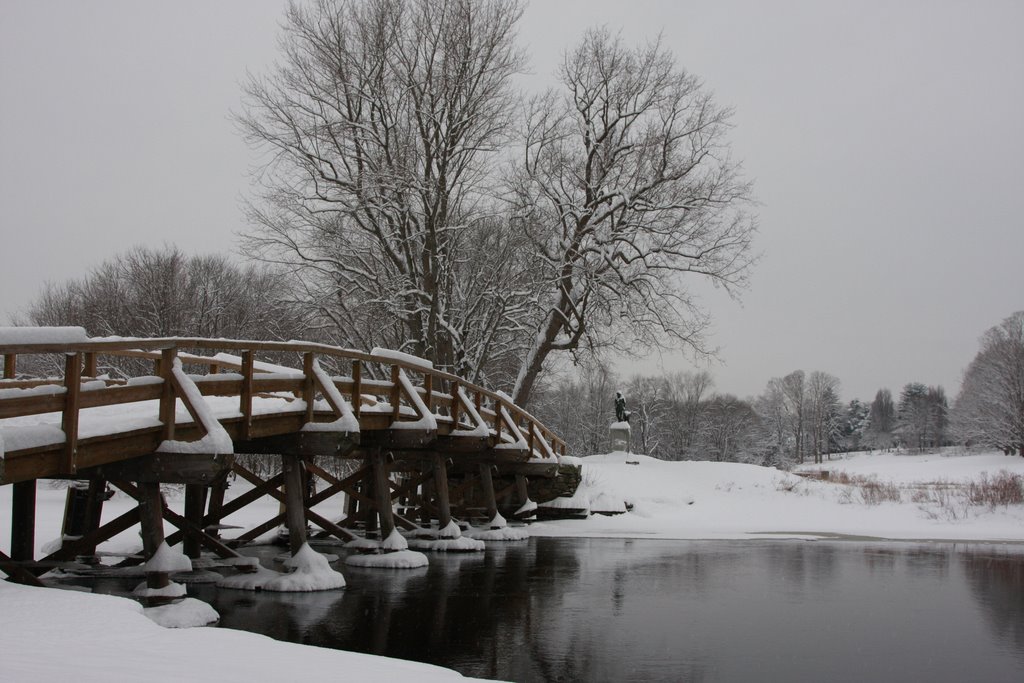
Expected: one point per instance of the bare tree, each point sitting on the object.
(382, 126)
(728, 429)
(792, 388)
(625, 189)
(649, 402)
(990, 407)
(824, 412)
(882, 420)
(165, 293)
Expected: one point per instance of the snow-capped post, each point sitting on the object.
(308, 385)
(357, 387)
(168, 401)
(245, 395)
(396, 393)
(10, 365)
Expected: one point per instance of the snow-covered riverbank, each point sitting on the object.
(101, 637)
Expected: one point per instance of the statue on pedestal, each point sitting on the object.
(621, 414)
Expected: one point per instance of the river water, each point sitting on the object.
(653, 610)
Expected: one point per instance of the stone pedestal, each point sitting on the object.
(621, 436)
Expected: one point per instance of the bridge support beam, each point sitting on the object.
(295, 498)
(151, 506)
(444, 513)
(195, 503)
(23, 521)
(487, 488)
(522, 492)
(382, 494)
(213, 510)
(83, 510)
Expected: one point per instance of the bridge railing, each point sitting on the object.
(378, 389)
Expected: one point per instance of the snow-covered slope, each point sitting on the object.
(707, 500)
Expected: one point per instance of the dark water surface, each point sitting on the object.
(651, 610)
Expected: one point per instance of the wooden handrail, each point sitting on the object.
(155, 348)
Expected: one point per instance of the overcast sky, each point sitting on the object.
(886, 140)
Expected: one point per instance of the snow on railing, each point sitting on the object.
(440, 399)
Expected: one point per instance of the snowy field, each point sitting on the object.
(111, 639)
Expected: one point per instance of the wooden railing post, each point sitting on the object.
(357, 387)
(245, 397)
(168, 399)
(428, 391)
(69, 420)
(308, 385)
(10, 365)
(396, 393)
(90, 364)
(456, 403)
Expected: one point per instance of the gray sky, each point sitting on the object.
(886, 140)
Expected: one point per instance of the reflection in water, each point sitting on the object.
(647, 610)
(997, 583)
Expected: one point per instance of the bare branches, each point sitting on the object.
(380, 124)
(625, 185)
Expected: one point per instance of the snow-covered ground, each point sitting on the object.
(706, 500)
(110, 638)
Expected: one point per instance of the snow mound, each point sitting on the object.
(463, 544)
(249, 582)
(171, 590)
(579, 501)
(605, 503)
(498, 522)
(402, 559)
(526, 508)
(394, 541)
(452, 531)
(312, 573)
(168, 560)
(362, 544)
(508, 533)
(188, 613)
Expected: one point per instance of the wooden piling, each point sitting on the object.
(444, 514)
(487, 487)
(382, 494)
(195, 503)
(23, 521)
(151, 506)
(294, 492)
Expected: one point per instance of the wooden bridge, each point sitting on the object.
(386, 429)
